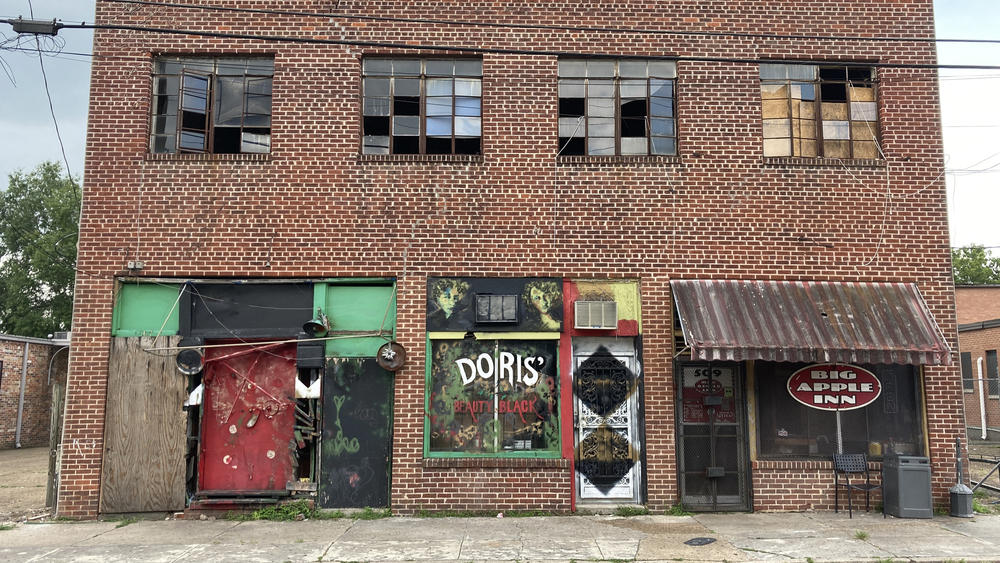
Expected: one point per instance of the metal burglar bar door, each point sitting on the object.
(711, 436)
(606, 389)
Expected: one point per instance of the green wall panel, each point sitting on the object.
(141, 309)
(357, 308)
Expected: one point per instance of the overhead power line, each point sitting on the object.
(495, 50)
(543, 26)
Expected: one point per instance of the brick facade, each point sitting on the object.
(976, 304)
(315, 208)
(37, 395)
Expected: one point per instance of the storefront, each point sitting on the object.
(824, 367)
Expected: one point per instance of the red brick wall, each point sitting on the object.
(974, 304)
(977, 342)
(35, 416)
(314, 208)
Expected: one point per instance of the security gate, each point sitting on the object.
(711, 438)
(606, 386)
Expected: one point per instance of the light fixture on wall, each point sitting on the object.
(190, 360)
(318, 326)
(391, 356)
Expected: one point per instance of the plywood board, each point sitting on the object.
(145, 429)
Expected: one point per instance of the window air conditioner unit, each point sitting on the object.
(600, 315)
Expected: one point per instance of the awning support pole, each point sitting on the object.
(840, 437)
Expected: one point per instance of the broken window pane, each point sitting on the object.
(212, 101)
(423, 102)
(617, 101)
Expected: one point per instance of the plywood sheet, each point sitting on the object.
(145, 429)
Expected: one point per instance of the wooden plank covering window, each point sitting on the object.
(144, 429)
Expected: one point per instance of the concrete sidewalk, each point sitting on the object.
(818, 536)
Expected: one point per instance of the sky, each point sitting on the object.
(970, 107)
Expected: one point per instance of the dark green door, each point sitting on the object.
(357, 434)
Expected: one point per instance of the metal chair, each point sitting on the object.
(844, 467)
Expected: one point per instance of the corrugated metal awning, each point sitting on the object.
(853, 322)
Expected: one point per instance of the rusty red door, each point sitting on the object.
(248, 417)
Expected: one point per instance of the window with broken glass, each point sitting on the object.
(422, 106)
(211, 105)
(819, 111)
(617, 107)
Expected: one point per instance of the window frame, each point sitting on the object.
(617, 118)
(968, 377)
(554, 451)
(992, 374)
(208, 67)
(777, 386)
(817, 82)
(424, 76)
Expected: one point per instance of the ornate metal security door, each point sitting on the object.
(711, 438)
(606, 386)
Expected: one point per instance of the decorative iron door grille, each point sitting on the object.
(607, 453)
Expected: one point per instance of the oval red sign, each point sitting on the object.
(834, 387)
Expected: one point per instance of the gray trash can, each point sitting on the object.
(906, 486)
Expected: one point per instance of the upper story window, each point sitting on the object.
(617, 107)
(422, 106)
(819, 111)
(211, 105)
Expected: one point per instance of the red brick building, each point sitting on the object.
(978, 313)
(28, 368)
(519, 197)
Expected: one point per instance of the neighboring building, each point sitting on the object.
(978, 309)
(28, 367)
(600, 255)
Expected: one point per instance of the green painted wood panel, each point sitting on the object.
(141, 309)
(358, 308)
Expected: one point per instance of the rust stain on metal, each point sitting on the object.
(248, 425)
(801, 321)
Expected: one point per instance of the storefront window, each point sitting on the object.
(893, 423)
(493, 397)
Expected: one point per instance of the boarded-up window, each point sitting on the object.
(826, 111)
(967, 377)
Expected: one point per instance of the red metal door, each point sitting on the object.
(247, 434)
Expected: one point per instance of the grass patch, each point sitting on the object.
(980, 508)
(678, 510)
(372, 514)
(631, 511)
(126, 521)
(300, 510)
(424, 513)
(5, 527)
(861, 535)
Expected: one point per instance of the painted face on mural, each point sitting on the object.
(542, 297)
(448, 293)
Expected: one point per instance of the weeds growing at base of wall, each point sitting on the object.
(678, 510)
(423, 513)
(631, 511)
(301, 510)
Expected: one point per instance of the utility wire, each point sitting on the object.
(545, 27)
(494, 50)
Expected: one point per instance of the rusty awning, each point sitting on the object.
(803, 321)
